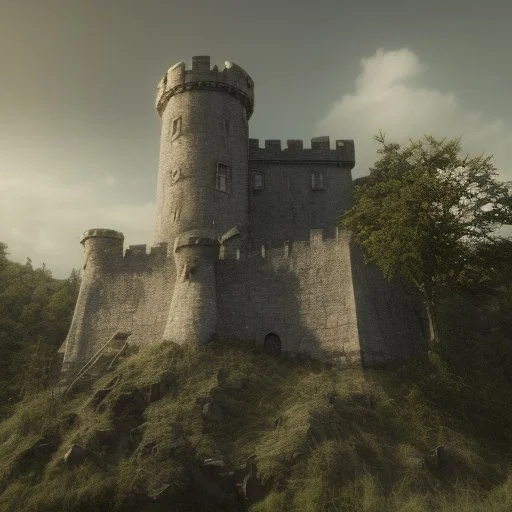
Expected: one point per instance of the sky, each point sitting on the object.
(79, 135)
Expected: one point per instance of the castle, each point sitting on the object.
(246, 243)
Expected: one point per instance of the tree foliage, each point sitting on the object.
(422, 211)
(35, 313)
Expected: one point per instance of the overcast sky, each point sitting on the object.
(79, 134)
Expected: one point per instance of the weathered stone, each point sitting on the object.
(99, 396)
(36, 455)
(103, 439)
(213, 411)
(75, 455)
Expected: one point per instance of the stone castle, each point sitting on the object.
(246, 243)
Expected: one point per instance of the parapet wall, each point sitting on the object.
(130, 293)
(343, 153)
(320, 298)
(301, 291)
(231, 79)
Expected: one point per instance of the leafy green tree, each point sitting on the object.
(35, 313)
(422, 209)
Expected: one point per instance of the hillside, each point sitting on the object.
(230, 428)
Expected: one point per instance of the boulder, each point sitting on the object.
(75, 455)
(104, 439)
(98, 397)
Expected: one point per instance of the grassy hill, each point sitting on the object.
(230, 428)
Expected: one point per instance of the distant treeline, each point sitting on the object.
(35, 313)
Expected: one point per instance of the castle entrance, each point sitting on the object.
(272, 344)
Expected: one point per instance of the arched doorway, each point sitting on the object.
(272, 344)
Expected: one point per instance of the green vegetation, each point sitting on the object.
(35, 313)
(422, 211)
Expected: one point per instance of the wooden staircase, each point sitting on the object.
(100, 362)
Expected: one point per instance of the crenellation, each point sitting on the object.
(232, 79)
(295, 144)
(159, 251)
(321, 143)
(254, 143)
(320, 152)
(273, 145)
(201, 63)
(135, 250)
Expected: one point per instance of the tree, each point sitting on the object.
(422, 209)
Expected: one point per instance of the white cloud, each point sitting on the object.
(385, 99)
(42, 217)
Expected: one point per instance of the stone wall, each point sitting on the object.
(287, 207)
(132, 294)
(302, 292)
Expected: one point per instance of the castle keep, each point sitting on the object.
(246, 243)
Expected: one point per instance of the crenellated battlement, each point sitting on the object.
(343, 152)
(317, 241)
(231, 79)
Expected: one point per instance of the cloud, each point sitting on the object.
(42, 217)
(386, 99)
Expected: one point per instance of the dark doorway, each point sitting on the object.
(272, 344)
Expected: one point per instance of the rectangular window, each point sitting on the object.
(317, 180)
(258, 181)
(222, 181)
(176, 128)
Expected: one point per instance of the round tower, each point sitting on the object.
(103, 251)
(202, 177)
(192, 315)
(102, 248)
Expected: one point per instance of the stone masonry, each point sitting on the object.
(246, 243)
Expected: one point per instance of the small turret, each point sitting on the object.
(102, 247)
(193, 313)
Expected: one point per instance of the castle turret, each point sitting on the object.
(202, 180)
(193, 312)
(103, 251)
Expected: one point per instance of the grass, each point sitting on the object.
(325, 440)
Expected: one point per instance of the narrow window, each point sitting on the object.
(258, 181)
(226, 126)
(317, 180)
(176, 128)
(222, 181)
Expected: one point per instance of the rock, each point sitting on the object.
(166, 383)
(216, 464)
(213, 411)
(147, 450)
(251, 489)
(75, 455)
(36, 455)
(127, 410)
(98, 397)
(70, 420)
(103, 439)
